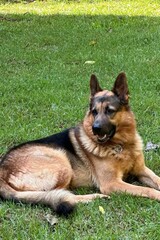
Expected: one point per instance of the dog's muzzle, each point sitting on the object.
(103, 134)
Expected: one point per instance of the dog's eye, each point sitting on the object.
(94, 112)
(110, 111)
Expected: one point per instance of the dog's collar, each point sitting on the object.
(118, 148)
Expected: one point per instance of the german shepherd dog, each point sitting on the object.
(101, 151)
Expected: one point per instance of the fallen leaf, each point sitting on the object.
(110, 30)
(51, 219)
(89, 62)
(101, 209)
(92, 43)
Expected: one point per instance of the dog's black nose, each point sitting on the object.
(96, 128)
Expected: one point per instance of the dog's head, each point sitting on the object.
(107, 108)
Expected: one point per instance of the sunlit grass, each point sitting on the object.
(99, 7)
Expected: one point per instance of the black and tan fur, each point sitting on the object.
(101, 151)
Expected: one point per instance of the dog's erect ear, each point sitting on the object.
(120, 88)
(94, 85)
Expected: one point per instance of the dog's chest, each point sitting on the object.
(118, 162)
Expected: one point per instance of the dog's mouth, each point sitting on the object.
(104, 138)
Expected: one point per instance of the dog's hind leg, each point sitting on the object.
(36, 168)
(37, 174)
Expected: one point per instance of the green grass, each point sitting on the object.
(44, 88)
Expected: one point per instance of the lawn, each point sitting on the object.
(48, 51)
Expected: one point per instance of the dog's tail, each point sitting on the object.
(60, 200)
